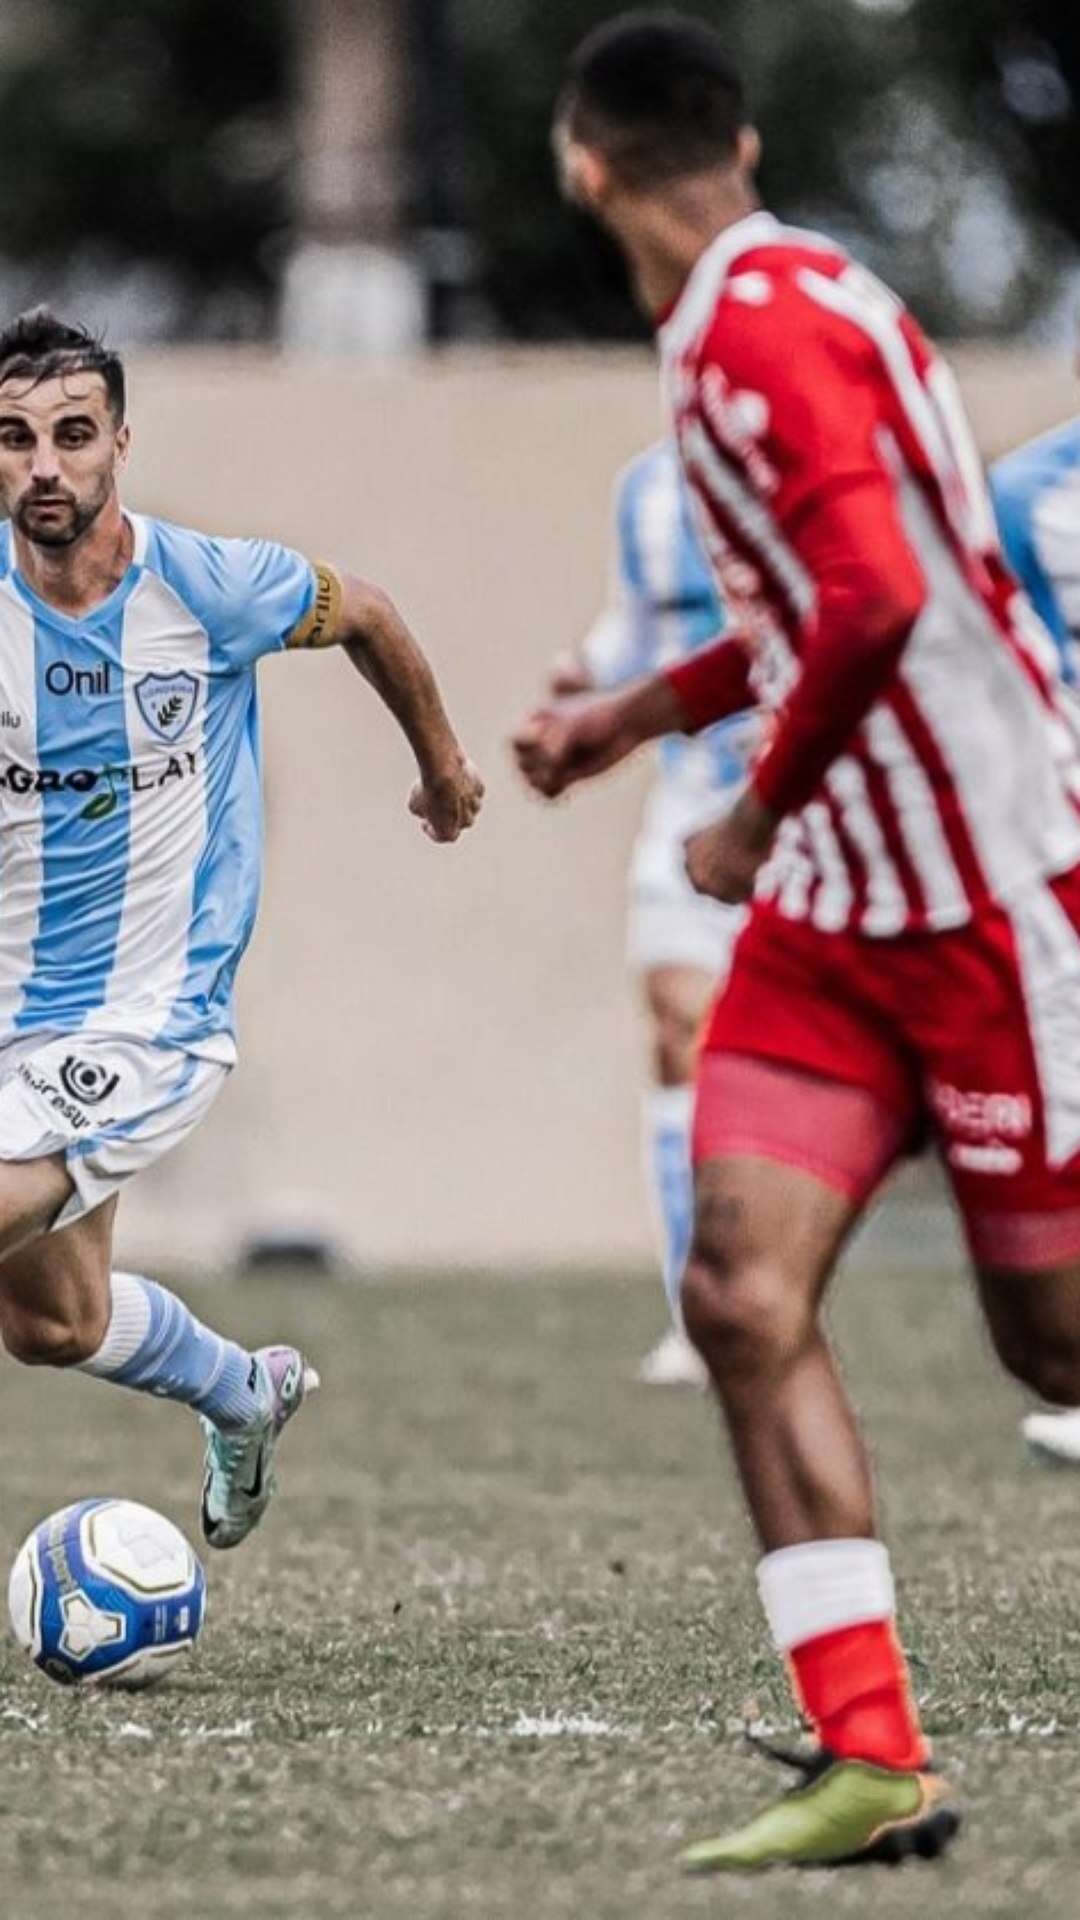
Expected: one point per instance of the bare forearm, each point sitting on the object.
(382, 649)
(651, 708)
(578, 738)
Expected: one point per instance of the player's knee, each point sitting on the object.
(52, 1340)
(674, 1041)
(744, 1318)
(676, 999)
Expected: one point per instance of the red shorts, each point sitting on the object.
(834, 1053)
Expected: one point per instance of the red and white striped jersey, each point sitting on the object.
(923, 754)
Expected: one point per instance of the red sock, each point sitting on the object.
(853, 1686)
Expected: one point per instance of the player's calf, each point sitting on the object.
(1034, 1321)
(53, 1339)
(677, 998)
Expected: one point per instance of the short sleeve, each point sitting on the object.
(1011, 497)
(268, 600)
(1017, 501)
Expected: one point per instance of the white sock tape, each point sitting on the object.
(825, 1584)
(129, 1324)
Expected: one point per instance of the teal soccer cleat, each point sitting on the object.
(238, 1481)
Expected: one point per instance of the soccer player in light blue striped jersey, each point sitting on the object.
(130, 841)
(1036, 492)
(663, 606)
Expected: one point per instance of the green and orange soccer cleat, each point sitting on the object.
(842, 1813)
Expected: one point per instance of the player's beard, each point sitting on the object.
(65, 529)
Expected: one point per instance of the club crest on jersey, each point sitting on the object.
(167, 702)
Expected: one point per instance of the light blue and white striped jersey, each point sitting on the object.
(130, 814)
(1037, 500)
(664, 606)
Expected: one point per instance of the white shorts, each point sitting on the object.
(668, 924)
(111, 1106)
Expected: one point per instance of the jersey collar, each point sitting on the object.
(105, 609)
(702, 290)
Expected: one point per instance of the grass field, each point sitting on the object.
(491, 1653)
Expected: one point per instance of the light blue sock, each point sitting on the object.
(156, 1345)
(668, 1113)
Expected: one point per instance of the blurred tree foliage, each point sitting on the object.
(149, 131)
(939, 137)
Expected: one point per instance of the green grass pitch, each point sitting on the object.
(491, 1652)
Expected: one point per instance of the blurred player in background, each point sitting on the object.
(664, 607)
(911, 839)
(129, 870)
(1036, 493)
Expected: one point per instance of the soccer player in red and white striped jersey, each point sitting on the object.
(911, 839)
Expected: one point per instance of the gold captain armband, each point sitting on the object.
(319, 626)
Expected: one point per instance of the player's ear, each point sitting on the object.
(122, 446)
(584, 173)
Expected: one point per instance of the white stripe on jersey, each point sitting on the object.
(886, 908)
(1048, 953)
(834, 896)
(918, 819)
(167, 824)
(702, 290)
(1016, 810)
(858, 297)
(945, 394)
(789, 873)
(752, 518)
(21, 862)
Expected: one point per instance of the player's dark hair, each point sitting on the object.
(37, 346)
(657, 93)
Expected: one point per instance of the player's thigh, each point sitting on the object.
(996, 1011)
(797, 1069)
(678, 993)
(677, 998)
(765, 1243)
(61, 1280)
(32, 1195)
(801, 1108)
(761, 1222)
(785, 1162)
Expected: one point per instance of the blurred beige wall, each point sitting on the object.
(439, 1056)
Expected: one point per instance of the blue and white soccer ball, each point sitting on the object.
(108, 1592)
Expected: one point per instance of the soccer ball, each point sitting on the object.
(107, 1592)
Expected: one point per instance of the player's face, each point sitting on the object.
(60, 454)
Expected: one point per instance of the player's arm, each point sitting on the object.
(827, 403)
(572, 740)
(362, 619)
(871, 592)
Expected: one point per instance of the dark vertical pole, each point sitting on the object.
(438, 116)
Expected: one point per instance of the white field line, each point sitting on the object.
(545, 1726)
